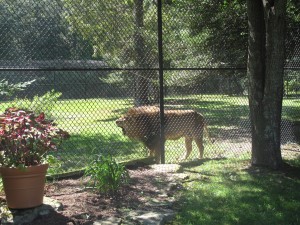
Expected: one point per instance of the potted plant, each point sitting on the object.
(25, 141)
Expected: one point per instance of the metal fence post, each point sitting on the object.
(161, 80)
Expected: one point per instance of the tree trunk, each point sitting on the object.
(265, 73)
(141, 80)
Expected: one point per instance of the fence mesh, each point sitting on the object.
(87, 62)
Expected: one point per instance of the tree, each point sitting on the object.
(266, 20)
(35, 30)
(121, 35)
(293, 28)
(205, 34)
(141, 80)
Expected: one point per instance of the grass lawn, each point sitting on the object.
(227, 191)
(91, 123)
(221, 189)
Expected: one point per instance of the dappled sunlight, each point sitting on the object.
(230, 191)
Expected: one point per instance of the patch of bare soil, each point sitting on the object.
(82, 206)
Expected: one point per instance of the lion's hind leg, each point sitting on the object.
(199, 142)
(188, 148)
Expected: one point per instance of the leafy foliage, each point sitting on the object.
(106, 174)
(21, 32)
(54, 164)
(27, 138)
(8, 89)
(39, 104)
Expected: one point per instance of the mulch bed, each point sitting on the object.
(82, 206)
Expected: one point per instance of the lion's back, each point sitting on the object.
(183, 123)
(145, 122)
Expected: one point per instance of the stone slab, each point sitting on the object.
(22, 216)
(167, 168)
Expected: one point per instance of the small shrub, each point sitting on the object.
(38, 104)
(9, 89)
(54, 165)
(26, 138)
(106, 175)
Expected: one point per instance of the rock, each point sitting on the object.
(149, 217)
(154, 218)
(181, 176)
(167, 168)
(21, 216)
(173, 186)
(54, 204)
(162, 204)
(108, 221)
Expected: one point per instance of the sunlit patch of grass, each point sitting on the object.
(227, 191)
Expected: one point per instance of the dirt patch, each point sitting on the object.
(148, 190)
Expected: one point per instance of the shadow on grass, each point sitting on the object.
(197, 162)
(77, 152)
(233, 195)
(288, 169)
(292, 171)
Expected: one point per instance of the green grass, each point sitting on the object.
(221, 189)
(291, 109)
(219, 110)
(228, 192)
(91, 123)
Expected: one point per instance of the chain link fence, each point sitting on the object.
(85, 63)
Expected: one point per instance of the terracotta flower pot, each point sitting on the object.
(24, 188)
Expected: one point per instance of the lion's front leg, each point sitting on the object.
(151, 153)
(153, 144)
(157, 155)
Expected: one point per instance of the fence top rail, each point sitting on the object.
(97, 65)
(51, 64)
(21, 69)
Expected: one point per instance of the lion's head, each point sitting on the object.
(138, 122)
(123, 123)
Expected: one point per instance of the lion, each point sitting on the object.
(143, 124)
